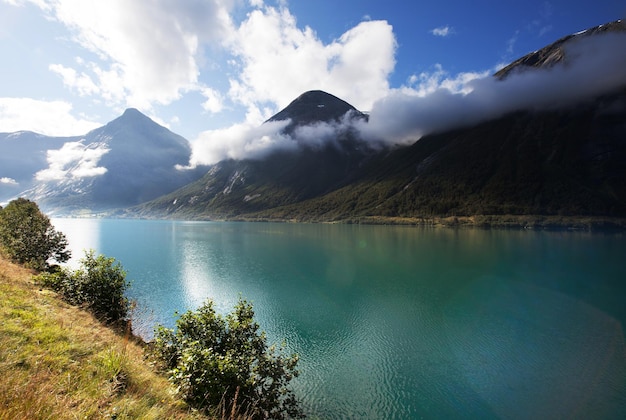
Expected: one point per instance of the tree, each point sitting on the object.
(225, 360)
(27, 236)
(100, 284)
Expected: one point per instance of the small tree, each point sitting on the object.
(99, 284)
(27, 236)
(225, 360)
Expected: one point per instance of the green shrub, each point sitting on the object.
(99, 284)
(27, 236)
(215, 360)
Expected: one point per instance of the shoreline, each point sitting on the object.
(529, 222)
(485, 221)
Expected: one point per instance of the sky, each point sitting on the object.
(214, 70)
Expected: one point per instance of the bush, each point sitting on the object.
(100, 284)
(215, 360)
(27, 236)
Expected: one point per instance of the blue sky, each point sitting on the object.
(212, 69)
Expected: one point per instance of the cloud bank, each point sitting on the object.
(594, 65)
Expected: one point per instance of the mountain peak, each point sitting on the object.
(555, 52)
(135, 114)
(132, 112)
(314, 106)
(132, 117)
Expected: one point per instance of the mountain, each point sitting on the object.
(231, 188)
(552, 163)
(126, 162)
(313, 107)
(560, 163)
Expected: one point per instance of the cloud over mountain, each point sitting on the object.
(74, 160)
(593, 65)
(436, 102)
(240, 141)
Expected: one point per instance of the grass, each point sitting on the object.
(59, 362)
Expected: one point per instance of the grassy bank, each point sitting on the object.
(59, 362)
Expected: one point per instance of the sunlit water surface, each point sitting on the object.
(400, 322)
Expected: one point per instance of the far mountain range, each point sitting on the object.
(559, 163)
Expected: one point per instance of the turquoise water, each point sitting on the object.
(401, 322)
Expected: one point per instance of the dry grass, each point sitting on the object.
(58, 362)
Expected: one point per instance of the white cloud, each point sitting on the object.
(147, 51)
(427, 83)
(279, 61)
(443, 31)
(71, 78)
(8, 181)
(240, 141)
(52, 118)
(73, 160)
(214, 101)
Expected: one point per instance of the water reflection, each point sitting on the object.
(82, 235)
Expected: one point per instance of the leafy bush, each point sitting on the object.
(27, 236)
(217, 360)
(100, 284)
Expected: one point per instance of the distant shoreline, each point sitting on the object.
(531, 222)
(504, 221)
